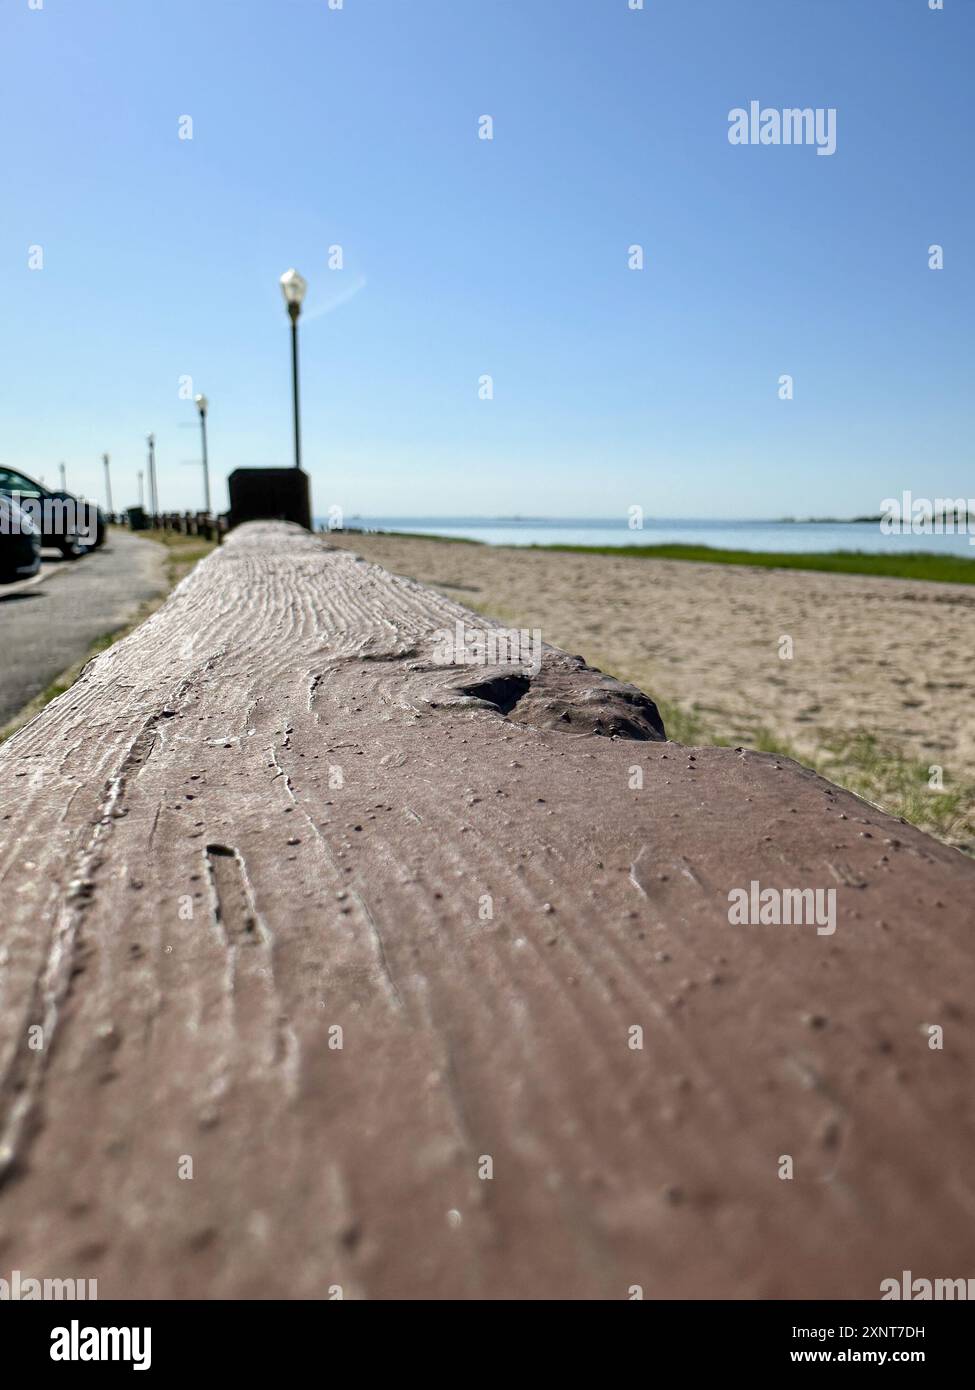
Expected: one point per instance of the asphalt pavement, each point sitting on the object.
(49, 622)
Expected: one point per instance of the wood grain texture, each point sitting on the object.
(268, 814)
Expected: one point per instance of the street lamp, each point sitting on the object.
(293, 288)
(108, 485)
(202, 404)
(153, 494)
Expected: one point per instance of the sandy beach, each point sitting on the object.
(877, 692)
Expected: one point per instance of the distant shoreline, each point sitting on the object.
(962, 518)
(910, 564)
(393, 523)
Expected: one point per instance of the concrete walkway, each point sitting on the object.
(48, 623)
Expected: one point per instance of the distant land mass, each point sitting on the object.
(961, 516)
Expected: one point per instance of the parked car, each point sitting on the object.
(20, 543)
(96, 515)
(57, 515)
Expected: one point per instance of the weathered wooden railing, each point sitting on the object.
(325, 965)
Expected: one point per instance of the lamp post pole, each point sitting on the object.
(64, 483)
(293, 288)
(202, 404)
(153, 495)
(108, 485)
(294, 310)
(142, 495)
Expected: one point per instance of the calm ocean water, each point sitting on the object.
(729, 535)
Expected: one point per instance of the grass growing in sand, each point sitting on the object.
(859, 762)
(913, 564)
(870, 768)
(182, 553)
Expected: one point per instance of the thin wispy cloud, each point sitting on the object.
(337, 300)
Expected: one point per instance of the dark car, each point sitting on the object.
(20, 543)
(93, 519)
(60, 517)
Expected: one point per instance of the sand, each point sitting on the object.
(889, 658)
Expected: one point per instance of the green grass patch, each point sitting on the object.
(912, 564)
(182, 552)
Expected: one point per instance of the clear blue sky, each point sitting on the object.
(358, 127)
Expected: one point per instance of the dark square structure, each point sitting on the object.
(270, 494)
